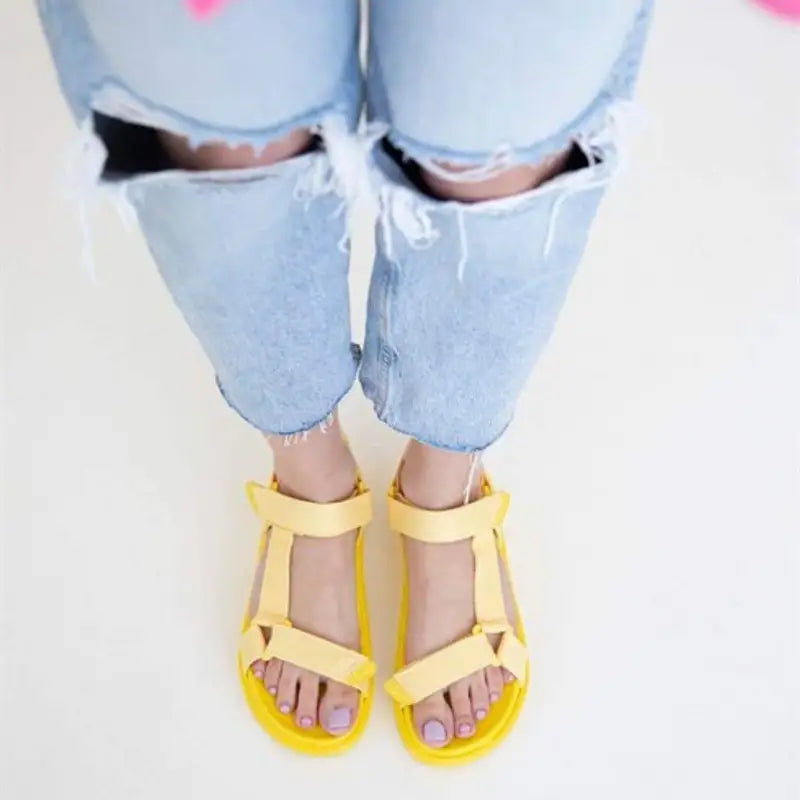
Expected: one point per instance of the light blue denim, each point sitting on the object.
(463, 296)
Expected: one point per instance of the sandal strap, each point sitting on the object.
(310, 652)
(490, 604)
(452, 525)
(480, 521)
(284, 518)
(321, 520)
(436, 672)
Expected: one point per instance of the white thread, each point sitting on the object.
(400, 208)
(316, 180)
(462, 241)
(386, 222)
(623, 120)
(291, 439)
(559, 202)
(82, 170)
(474, 461)
(499, 161)
(342, 169)
(122, 203)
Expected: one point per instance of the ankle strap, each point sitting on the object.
(452, 525)
(321, 520)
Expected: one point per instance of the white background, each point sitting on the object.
(653, 467)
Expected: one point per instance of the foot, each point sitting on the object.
(322, 599)
(442, 597)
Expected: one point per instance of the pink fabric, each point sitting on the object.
(786, 8)
(202, 8)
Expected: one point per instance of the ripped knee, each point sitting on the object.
(136, 149)
(219, 155)
(445, 183)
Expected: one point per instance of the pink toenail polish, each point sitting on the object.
(464, 729)
(494, 697)
(306, 722)
(339, 720)
(273, 690)
(434, 732)
(285, 708)
(480, 714)
(509, 678)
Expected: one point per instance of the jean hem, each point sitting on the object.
(385, 418)
(304, 426)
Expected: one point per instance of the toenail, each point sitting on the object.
(306, 722)
(509, 678)
(339, 720)
(465, 728)
(494, 697)
(285, 708)
(273, 690)
(434, 732)
(480, 714)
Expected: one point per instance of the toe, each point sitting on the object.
(494, 682)
(272, 674)
(507, 676)
(462, 709)
(257, 668)
(287, 688)
(434, 720)
(307, 699)
(338, 708)
(479, 695)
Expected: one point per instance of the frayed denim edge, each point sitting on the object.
(384, 418)
(305, 427)
(618, 86)
(114, 99)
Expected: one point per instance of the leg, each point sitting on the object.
(490, 178)
(246, 235)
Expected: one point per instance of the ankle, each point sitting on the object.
(438, 479)
(319, 467)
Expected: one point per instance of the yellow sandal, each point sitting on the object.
(480, 521)
(284, 518)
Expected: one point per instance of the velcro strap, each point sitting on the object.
(490, 608)
(252, 644)
(513, 655)
(435, 672)
(273, 599)
(321, 520)
(319, 655)
(452, 525)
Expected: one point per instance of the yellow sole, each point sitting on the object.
(281, 727)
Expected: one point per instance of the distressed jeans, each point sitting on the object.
(463, 295)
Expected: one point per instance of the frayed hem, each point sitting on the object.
(299, 434)
(425, 439)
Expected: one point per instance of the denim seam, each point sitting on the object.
(387, 350)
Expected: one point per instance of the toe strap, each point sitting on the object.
(435, 672)
(308, 652)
